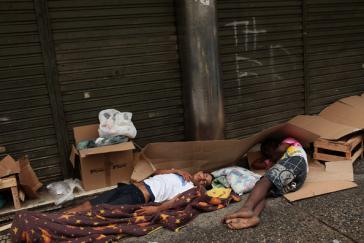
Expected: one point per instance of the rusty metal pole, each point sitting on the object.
(202, 87)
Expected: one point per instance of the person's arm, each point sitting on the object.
(262, 164)
(280, 151)
(149, 210)
(186, 176)
(259, 164)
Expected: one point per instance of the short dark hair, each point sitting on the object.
(209, 187)
(269, 142)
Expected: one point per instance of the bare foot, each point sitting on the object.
(241, 213)
(242, 223)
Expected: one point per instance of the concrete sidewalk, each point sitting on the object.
(335, 217)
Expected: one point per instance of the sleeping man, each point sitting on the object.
(162, 187)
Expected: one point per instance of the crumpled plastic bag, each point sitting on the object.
(62, 191)
(115, 123)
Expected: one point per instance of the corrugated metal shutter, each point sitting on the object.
(334, 50)
(122, 55)
(26, 123)
(261, 52)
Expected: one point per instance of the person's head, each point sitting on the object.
(203, 178)
(268, 147)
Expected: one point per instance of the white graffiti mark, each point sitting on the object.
(235, 25)
(285, 50)
(272, 64)
(246, 74)
(248, 31)
(254, 33)
(249, 60)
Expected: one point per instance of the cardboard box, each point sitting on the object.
(28, 180)
(8, 166)
(102, 166)
(209, 155)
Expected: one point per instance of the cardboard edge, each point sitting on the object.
(73, 155)
(306, 122)
(107, 149)
(13, 166)
(312, 189)
(143, 168)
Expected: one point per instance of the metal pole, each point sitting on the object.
(203, 96)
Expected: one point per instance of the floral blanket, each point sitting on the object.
(106, 223)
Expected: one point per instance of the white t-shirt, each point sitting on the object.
(167, 186)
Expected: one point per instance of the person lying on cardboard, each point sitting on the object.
(287, 167)
(162, 187)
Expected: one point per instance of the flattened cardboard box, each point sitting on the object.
(348, 111)
(102, 166)
(189, 156)
(321, 179)
(210, 155)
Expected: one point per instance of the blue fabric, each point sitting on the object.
(152, 197)
(124, 194)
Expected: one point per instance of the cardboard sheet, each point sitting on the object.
(357, 102)
(88, 132)
(190, 156)
(311, 189)
(332, 171)
(28, 179)
(322, 127)
(343, 113)
(321, 179)
(336, 121)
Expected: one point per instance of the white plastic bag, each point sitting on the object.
(114, 123)
(62, 191)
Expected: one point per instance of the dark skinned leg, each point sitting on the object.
(248, 215)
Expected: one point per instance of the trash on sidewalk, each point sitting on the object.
(62, 191)
(101, 166)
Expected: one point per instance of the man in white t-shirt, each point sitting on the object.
(162, 187)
